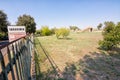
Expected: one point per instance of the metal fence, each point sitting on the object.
(15, 59)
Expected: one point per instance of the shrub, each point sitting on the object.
(3, 36)
(74, 28)
(45, 31)
(64, 32)
(57, 33)
(111, 36)
(38, 33)
(106, 45)
(53, 30)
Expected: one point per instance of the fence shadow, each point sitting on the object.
(96, 66)
(103, 65)
(53, 72)
(67, 38)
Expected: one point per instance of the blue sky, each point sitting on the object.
(63, 13)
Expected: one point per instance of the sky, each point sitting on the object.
(63, 13)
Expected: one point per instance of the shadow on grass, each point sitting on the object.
(96, 66)
(114, 52)
(53, 73)
(65, 38)
(104, 65)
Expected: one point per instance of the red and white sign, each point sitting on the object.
(15, 32)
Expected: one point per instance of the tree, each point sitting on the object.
(117, 33)
(28, 22)
(109, 26)
(99, 26)
(62, 32)
(38, 33)
(53, 30)
(45, 31)
(111, 36)
(3, 22)
(74, 28)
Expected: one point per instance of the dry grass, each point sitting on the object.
(71, 49)
(79, 59)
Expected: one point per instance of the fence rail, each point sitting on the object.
(15, 59)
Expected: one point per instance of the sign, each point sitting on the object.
(15, 32)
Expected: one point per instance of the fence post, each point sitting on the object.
(4, 71)
(15, 60)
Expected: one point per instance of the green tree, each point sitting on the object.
(3, 22)
(38, 32)
(117, 34)
(53, 30)
(99, 26)
(109, 26)
(118, 24)
(45, 31)
(64, 32)
(74, 28)
(28, 22)
(3, 25)
(111, 36)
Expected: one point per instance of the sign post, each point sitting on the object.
(15, 32)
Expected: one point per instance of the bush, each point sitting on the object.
(45, 31)
(111, 36)
(3, 36)
(53, 30)
(62, 32)
(57, 33)
(38, 33)
(106, 45)
(74, 28)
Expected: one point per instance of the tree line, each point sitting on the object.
(29, 22)
(59, 32)
(24, 20)
(111, 31)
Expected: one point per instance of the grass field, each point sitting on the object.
(79, 58)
